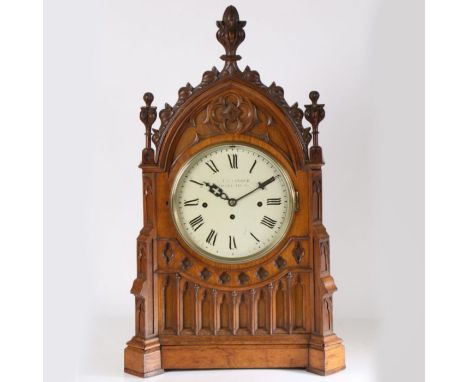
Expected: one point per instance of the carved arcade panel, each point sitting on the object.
(188, 308)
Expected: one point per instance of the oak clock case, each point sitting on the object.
(233, 261)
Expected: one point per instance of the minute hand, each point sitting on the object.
(261, 185)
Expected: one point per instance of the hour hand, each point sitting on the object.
(216, 191)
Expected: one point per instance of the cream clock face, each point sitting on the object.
(232, 203)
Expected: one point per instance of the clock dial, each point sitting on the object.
(232, 203)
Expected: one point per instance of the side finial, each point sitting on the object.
(315, 113)
(230, 34)
(148, 117)
(148, 98)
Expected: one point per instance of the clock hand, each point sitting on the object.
(266, 182)
(261, 185)
(217, 191)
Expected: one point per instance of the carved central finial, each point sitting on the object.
(230, 34)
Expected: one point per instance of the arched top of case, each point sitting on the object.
(231, 103)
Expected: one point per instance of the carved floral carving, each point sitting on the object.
(231, 114)
(184, 93)
(208, 77)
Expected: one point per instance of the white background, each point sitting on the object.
(366, 59)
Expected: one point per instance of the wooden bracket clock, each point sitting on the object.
(233, 261)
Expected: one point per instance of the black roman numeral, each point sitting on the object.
(253, 165)
(211, 238)
(269, 222)
(212, 166)
(232, 242)
(255, 237)
(193, 202)
(274, 201)
(194, 181)
(196, 222)
(233, 160)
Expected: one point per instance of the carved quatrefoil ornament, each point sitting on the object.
(232, 114)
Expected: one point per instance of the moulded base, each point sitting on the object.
(142, 357)
(326, 355)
